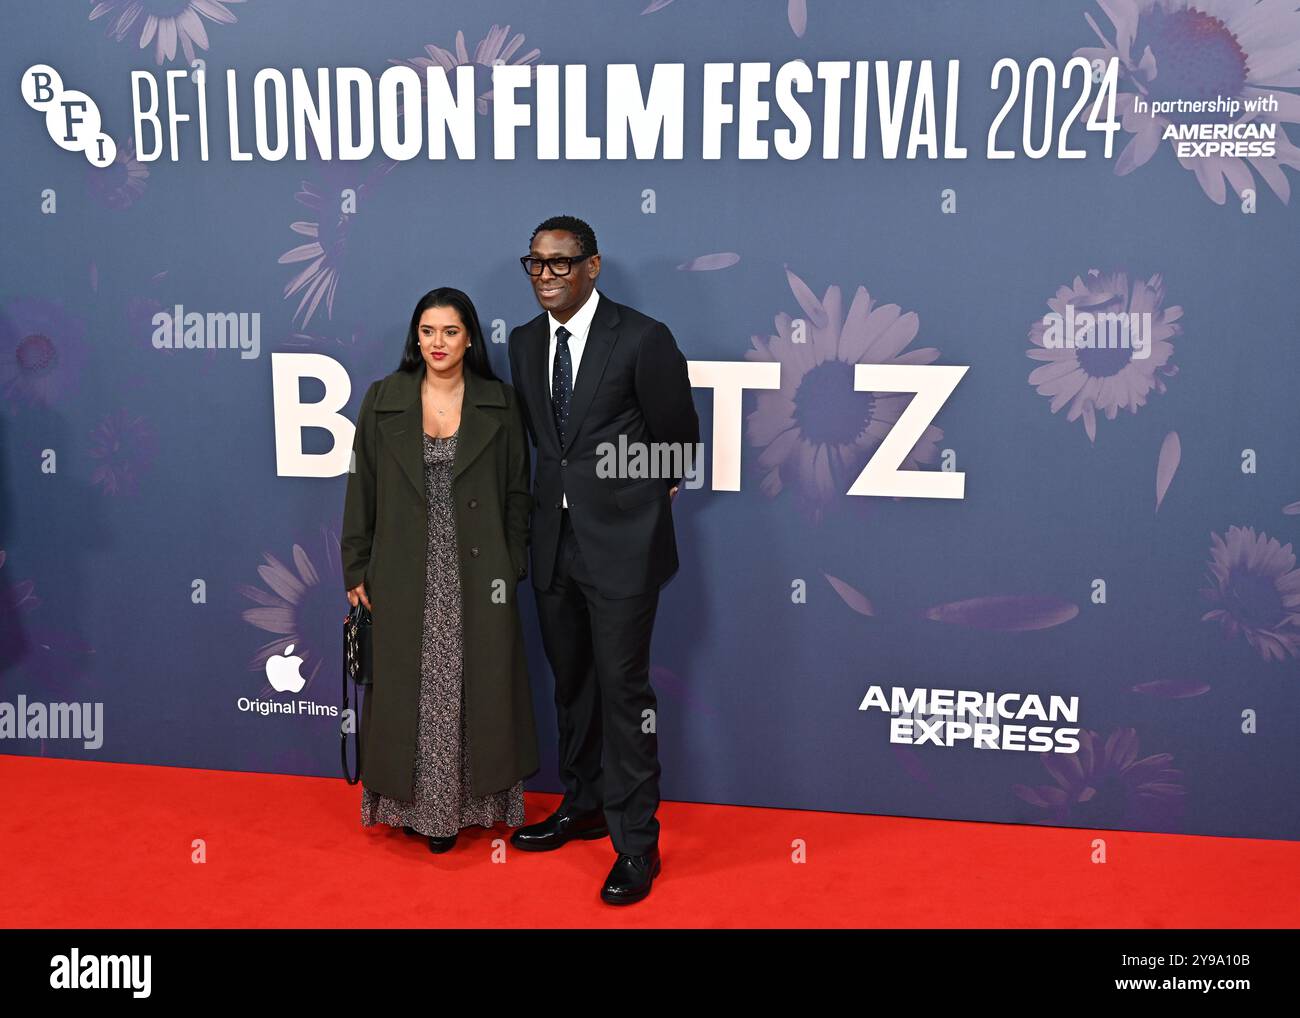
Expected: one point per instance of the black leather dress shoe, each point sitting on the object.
(411, 831)
(439, 845)
(558, 829)
(630, 878)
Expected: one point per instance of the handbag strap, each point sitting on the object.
(350, 619)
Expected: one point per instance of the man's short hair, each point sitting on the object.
(585, 234)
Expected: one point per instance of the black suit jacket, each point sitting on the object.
(632, 381)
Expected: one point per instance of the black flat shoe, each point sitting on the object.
(630, 878)
(559, 829)
(440, 845)
(411, 831)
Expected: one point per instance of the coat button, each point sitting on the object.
(557, 505)
(473, 503)
(473, 553)
(564, 463)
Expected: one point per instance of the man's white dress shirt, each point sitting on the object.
(579, 325)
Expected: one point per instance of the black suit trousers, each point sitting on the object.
(599, 651)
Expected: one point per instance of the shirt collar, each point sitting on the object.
(580, 323)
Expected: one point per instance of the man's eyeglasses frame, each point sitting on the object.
(568, 261)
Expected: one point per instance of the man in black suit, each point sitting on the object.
(595, 376)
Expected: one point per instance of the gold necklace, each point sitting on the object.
(459, 393)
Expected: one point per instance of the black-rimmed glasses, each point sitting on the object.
(559, 266)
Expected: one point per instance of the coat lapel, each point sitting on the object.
(403, 431)
(539, 380)
(477, 428)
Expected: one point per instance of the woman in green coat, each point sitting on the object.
(434, 543)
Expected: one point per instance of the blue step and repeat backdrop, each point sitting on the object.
(992, 312)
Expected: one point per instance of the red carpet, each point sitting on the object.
(87, 844)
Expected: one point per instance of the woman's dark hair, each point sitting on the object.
(476, 358)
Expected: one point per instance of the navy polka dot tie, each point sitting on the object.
(562, 382)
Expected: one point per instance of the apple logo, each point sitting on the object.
(283, 674)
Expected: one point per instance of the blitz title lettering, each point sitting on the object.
(932, 384)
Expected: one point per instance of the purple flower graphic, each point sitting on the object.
(34, 656)
(165, 22)
(350, 345)
(1104, 784)
(48, 660)
(913, 766)
(125, 446)
(670, 686)
(304, 606)
(140, 313)
(42, 352)
(120, 183)
(816, 432)
(1255, 590)
(710, 262)
(18, 598)
(796, 12)
(1203, 49)
(1171, 454)
(1107, 379)
(15, 598)
(851, 596)
(495, 48)
(1007, 613)
(324, 253)
(335, 342)
(1172, 689)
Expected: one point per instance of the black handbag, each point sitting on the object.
(358, 664)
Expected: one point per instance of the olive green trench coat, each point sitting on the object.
(384, 541)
